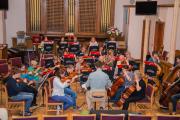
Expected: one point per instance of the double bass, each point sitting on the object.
(170, 86)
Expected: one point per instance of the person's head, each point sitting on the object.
(128, 54)
(34, 63)
(137, 75)
(93, 39)
(98, 64)
(59, 73)
(101, 48)
(70, 68)
(62, 39)
(83, 49)
(101, 58)
(112, 38)
(178, 60)
(16, 74)
(155, 55)
(75, 39)
(110, 52)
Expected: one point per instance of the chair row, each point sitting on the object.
(102, 117)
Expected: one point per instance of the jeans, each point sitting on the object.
(67, 100)
(26, 88)
(174, 100)
(68, 91)
(118, 94)
(27, 97)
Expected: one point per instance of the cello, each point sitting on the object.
(170, 86)
(119, 82)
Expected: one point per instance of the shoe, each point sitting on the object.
(26, 114)
(173, 113)
(101, 108)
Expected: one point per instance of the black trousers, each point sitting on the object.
(27, 88)
(131, 99)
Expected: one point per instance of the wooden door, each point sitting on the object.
(159, 35)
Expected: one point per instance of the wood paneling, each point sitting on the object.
(159, 35)
(82, 17)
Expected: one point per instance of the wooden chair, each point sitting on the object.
(50, 104)
(139, 117)
(83, 117)
(16, 62)
(55, 117)
(13, 104)
(98, 96)
(148, 100)
(2, 61)
(25, 118)
(168, 117)
(112, 117)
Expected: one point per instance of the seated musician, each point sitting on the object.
(16, 93)
(139, 93)
(154, 58)
(32, 75)
(82, 52)
(97, 80)
(60, 92)
(128, 81)
(93, 42)
(177, 62)
(128, 56)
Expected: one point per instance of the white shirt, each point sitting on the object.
(58, 87)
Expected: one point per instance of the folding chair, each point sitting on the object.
(112, 117)
(83, 117)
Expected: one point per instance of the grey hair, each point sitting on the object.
(138, 74)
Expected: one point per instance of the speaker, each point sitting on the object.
(4, 5)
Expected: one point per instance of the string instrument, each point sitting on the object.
(170, 86)
(69, 77)
(126, 94)
(119, 82)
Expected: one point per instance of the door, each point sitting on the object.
(159, 36)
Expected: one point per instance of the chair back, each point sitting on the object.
(4, 68)
(2, 61)
(16, 62)
(112, 117)
(50, 81)
(150, 92)
(48, 55)
(4, 89)
(55, 117)
(98, 95)
(25, 118)
(139, 117)
(47, 93)
(84, 117)
(168, 117)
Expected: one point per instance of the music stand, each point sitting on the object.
(93, 48)
(111, 45)
(48, 47)
(74, 47)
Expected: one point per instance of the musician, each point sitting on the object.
(154, 58)
(177, 62)
(93, 42)
(97, 80)
(128, 81)
(16, 93)
(128, 56)
(60, 93)
(82, 52)
(174, 99)
(139, 93)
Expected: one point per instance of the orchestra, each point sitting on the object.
(108, 71)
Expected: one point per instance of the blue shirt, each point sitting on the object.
(98, 80)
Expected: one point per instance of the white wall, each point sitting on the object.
(16, 19)
(135, 34)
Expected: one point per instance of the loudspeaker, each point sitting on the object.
(4, 5)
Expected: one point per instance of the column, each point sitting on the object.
(2, 28)
(146, 37)
(174, 32)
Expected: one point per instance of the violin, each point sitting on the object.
(69, 77)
